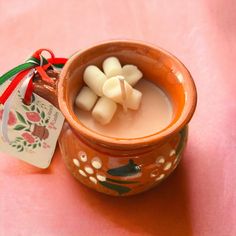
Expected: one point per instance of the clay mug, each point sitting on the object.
(122, 167)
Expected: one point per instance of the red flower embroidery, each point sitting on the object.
(11, 119)
(28, 137)
(33, 116)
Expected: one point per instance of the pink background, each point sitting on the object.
(200, 197)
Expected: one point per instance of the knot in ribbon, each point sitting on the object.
(22, 79)
(39, 65)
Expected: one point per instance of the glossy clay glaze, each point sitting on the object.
(116, 166)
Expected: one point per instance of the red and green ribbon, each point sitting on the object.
(37, 62)
(24, 74)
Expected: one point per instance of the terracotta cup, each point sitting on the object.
(122, 167)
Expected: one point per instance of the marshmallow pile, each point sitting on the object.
(104, 89)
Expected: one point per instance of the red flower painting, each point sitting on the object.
(11, 119)
(28, 137)
(33, 116)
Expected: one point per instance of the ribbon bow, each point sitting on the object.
(22, 79)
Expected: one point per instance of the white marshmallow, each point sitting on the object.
(104, 110)
(95, 79)
(86, 99)
(112, 89)
(134, 100)
(132, 74)
(112, 67)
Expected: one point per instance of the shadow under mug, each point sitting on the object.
(115, 166)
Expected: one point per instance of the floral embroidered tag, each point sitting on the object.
(33, 130)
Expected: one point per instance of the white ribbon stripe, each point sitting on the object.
(22, 86)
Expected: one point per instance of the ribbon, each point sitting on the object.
(22, 79)
(25, 76)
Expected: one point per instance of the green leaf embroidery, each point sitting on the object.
(19, 127)
(38, 110)
(39, 144)
(34, 146)
(20, 117)
(33, 108)
(24, 143)
(46, 122)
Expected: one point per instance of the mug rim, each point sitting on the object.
(187, 112)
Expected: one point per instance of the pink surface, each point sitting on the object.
(200, 197)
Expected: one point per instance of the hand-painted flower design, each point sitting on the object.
(33, 116)
(82, 161)
(28, 137)
(11, 119)
(40, 131)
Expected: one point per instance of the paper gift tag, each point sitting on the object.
(33, 130)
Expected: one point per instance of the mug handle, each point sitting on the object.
(47, 90)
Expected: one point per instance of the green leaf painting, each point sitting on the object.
(19, 127)
(20, 117)
(33, 98)
(43, 114)
(183, 137)
(118, 188)
(17, 138)
(122, 181)
(25, 107)
(127, 170)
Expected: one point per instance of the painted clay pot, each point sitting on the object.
(122, 167)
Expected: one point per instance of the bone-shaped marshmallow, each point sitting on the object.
(134, 100)
(104, 110)
(132, 74)
(95, 79)
(112, 89)
(112, 67)
(86, 99)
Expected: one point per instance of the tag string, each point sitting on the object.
(25, 76)
(22, 79)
